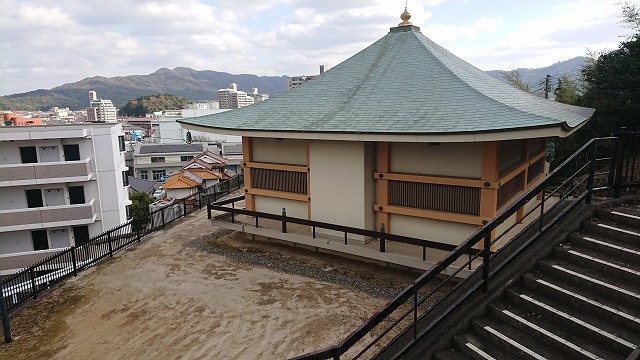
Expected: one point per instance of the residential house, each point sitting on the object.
(158, 161)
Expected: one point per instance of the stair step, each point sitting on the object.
(478, 348)
(626, 233)
(450, 353)
(551, 334)
(594, 281)
(596, 328)
(626, 215)
(610, 246)
(623, 269)
(509, 339)
(608, 308)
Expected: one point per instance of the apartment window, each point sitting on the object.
(40, 240)
(125, 178)
(28, 154)
(128, 210)
(186, 158)
(34, 198)
(144, 175)
(158, 174)
(76, 195)
(121, 143)
(156, 159)
(81, 234)
(71, 152)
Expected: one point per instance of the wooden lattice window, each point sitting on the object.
(438, 197)
(510, 189)
(535, 169)
(279, 180)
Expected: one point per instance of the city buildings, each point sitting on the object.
(232, 98)
(159, 161)
(101, 110)
(295, 81)
(436, 165)
(59, 185)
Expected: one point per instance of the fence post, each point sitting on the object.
(110, 246)
(284, 220)
(228, 187)
(184, 206)
(617, 180)
(162, 216)
(383, 246)
(209, 211)
(485, 261)
(592, 170)
(73, 258)
(137, 233)
(6, 328)
(34, 291)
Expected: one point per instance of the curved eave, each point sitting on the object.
(510, 134)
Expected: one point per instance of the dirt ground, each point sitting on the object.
(183, 294)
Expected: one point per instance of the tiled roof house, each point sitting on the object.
(402, 133)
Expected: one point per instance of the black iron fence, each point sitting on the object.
(27, 284)
(604, 167)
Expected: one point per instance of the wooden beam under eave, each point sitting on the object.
(383, 158)
(247, 157)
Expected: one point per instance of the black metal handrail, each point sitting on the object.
(580, 181)
(27, 284)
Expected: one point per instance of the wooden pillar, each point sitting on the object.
(524, 156)
(382, 184)
(308, 182)
(490, 173)
(247, 156)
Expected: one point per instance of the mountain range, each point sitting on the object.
(203, 85)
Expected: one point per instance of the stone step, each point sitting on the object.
(625, 270)
(478, 348)
(620, 232)
(610, 246)
(574, 295)
(451, 353)
(552, 335)
(595, 329)
(624, 215)
(596, 282)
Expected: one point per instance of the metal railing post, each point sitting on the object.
(592, 170)
(34, 290)
(6, 328)
(138, 234)
(73, 259)
(184, 206)
(284, 220)
(208, 211)
(486, 255)
(382, 239)
(617, 180)
(110, 246)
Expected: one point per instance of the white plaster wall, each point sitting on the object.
(13, 197)
(509, 154)
(15, 241)
(9, 152)
(340, 189)
(285, 151)
(444, 159)
(59, 238)
(435, 230)
(180, 193)
(297, 209)
(369, 186)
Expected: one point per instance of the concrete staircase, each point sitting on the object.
(583, 302)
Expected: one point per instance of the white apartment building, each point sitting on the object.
(232, 98)
(59, 186)
(101, 110)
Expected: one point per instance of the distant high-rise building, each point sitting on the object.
(231, 98)
(295, 81)
(101, 110)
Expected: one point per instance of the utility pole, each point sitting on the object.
(547, 85)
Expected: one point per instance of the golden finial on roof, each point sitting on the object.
(405, 16)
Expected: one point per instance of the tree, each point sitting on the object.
(631, 16)
(514, 78)
(140, 209)
(566, 91)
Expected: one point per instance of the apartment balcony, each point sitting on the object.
(45, 173)
(47, 217)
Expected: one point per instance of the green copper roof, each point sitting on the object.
(403, 83)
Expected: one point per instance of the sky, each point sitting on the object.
(45, 43)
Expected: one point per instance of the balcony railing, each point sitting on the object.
(45, 172)
(34, 218)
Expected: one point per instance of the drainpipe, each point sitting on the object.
(95, 163)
